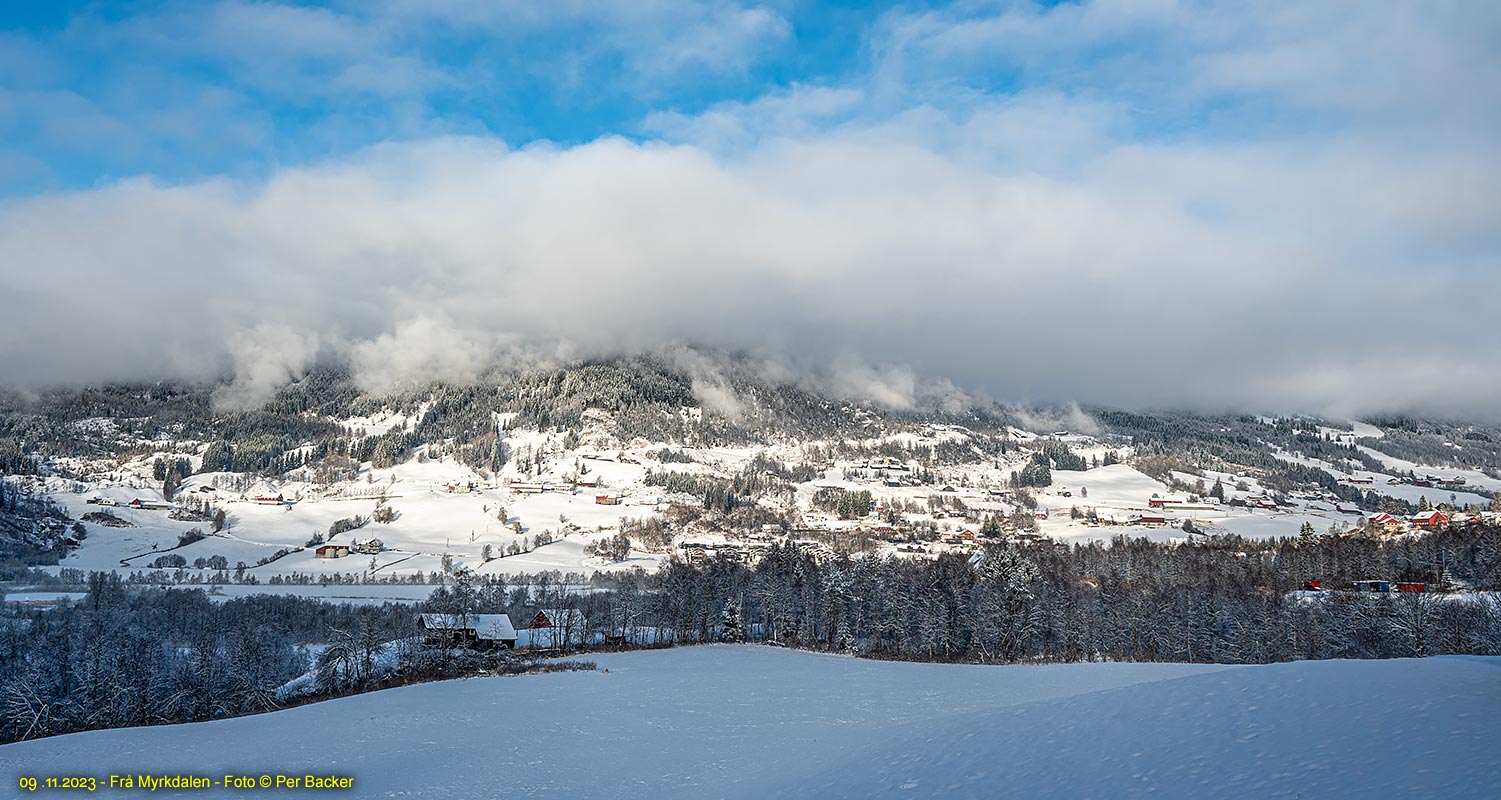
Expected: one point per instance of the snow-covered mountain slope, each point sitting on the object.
(445, 510)
(543, 470)
(757, 722)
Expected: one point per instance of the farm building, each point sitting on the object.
(606, 500)
(558, 618)
(481, 630)
(1384, 521)
(1430, 519)
(332, 550)
(268, 500)
(555, 627)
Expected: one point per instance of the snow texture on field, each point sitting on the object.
(357, 594)
(759, 722)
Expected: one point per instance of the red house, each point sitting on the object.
(559, 618)
(1384, 520)
(1430, 519)
(606, 500)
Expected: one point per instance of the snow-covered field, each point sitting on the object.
(760, 722)
(430, 522)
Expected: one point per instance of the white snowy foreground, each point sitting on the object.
(760, 722)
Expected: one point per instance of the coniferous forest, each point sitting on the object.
(122, 656)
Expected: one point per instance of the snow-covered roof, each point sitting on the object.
(485, 626)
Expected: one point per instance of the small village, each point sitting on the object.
(596, 506)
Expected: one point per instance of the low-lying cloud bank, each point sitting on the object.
(1281, 207)
(1223, 277)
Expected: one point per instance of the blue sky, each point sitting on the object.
(1034, 201)
(100, 91)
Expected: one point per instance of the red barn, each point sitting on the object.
(559, 618)
(1430, 519)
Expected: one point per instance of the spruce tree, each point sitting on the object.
(731, 629)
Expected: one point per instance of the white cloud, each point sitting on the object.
(418, 352)
(265, 358)
(711, 387)
(796, 112)
(1052, 241)
(648, 42)
(843, 251)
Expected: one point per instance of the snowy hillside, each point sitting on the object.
(757, 722)
(614, 466)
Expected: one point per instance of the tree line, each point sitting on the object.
(123, 656)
